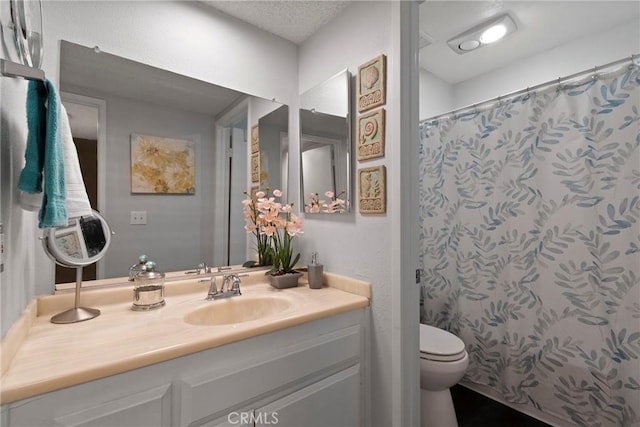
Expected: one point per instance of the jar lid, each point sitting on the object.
(149, 272)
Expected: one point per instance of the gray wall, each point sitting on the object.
(178, 234)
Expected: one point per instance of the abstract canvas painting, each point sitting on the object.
(162, 165)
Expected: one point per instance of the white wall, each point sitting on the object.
(183, 37)
(563, 60)
(23, 253)
(436, 96)
(366, 247)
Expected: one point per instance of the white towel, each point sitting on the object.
(77, 200)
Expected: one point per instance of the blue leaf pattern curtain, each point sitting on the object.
(530, 245)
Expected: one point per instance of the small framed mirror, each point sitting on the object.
(325, 146)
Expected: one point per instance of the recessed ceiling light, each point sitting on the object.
(468, 45)
(487, 32)
(493, 34)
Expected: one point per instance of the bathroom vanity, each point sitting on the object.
(301, 363)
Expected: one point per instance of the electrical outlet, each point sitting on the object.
(138, 217)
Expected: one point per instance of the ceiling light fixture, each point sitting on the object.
(489, 31)
(493, 34)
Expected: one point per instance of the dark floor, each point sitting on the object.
(476, 410)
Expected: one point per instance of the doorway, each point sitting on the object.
(84, 115)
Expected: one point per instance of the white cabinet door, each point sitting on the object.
(331, 402)
(148, 408)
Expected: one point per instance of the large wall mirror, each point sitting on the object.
(110, 100)
(325, 139)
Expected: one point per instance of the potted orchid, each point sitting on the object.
(334, 205)
(275, 222)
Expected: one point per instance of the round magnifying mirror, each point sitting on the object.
(27, 30)
(84, 241)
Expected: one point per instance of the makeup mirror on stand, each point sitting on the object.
(84, 241)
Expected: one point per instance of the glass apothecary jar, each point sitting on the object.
(148, 289)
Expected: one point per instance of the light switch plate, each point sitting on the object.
(138, 217)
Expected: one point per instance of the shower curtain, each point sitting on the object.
(530, 245)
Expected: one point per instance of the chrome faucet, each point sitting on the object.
(230, 287)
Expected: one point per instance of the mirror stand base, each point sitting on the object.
(74, 315)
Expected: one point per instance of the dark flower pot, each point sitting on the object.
(283, 281)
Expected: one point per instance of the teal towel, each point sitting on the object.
(44, 154)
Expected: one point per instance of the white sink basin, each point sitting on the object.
(237, 310)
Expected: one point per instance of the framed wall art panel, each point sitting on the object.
(372, 191)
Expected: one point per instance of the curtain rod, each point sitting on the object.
(549, 83)
(14, 69)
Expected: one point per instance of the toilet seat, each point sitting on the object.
(439, 345)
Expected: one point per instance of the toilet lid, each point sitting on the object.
(438, 344)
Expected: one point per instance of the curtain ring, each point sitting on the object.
(499, 101)
(595, 73)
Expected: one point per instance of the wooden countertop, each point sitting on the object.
(39, 356)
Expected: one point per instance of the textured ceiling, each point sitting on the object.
(542, 25)
(291, 20)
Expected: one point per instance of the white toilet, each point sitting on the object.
(443, 362)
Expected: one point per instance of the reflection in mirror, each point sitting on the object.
(274, 150)
(178, 232)
(325, 141)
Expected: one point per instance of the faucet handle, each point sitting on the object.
(213, 290)
(235, 284)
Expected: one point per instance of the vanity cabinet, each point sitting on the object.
(312, 374)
